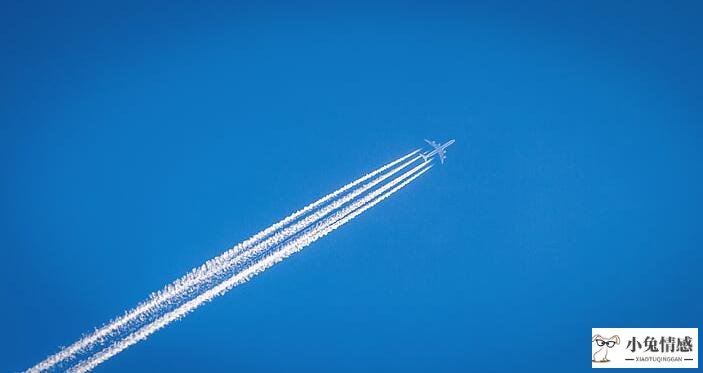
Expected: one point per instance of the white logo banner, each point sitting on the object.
(644, 347)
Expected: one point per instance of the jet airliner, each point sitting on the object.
(439, 150)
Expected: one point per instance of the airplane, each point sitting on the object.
(439, 150)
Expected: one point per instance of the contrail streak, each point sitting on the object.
(285, 251)
(221, 264)
(158, 299)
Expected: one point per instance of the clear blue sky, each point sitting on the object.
(140, 140)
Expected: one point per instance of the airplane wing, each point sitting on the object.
(439, 149)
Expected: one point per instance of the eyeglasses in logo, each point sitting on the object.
(602, 343)
(601, 356)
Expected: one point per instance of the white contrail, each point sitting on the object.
(285, 251)
(189, 284)
(222, 264)
(155, 300)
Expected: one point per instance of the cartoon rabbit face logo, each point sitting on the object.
(601, 356)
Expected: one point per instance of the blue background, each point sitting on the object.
(140, 140)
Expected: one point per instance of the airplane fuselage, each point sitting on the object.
(438, 150)
(441, 149)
